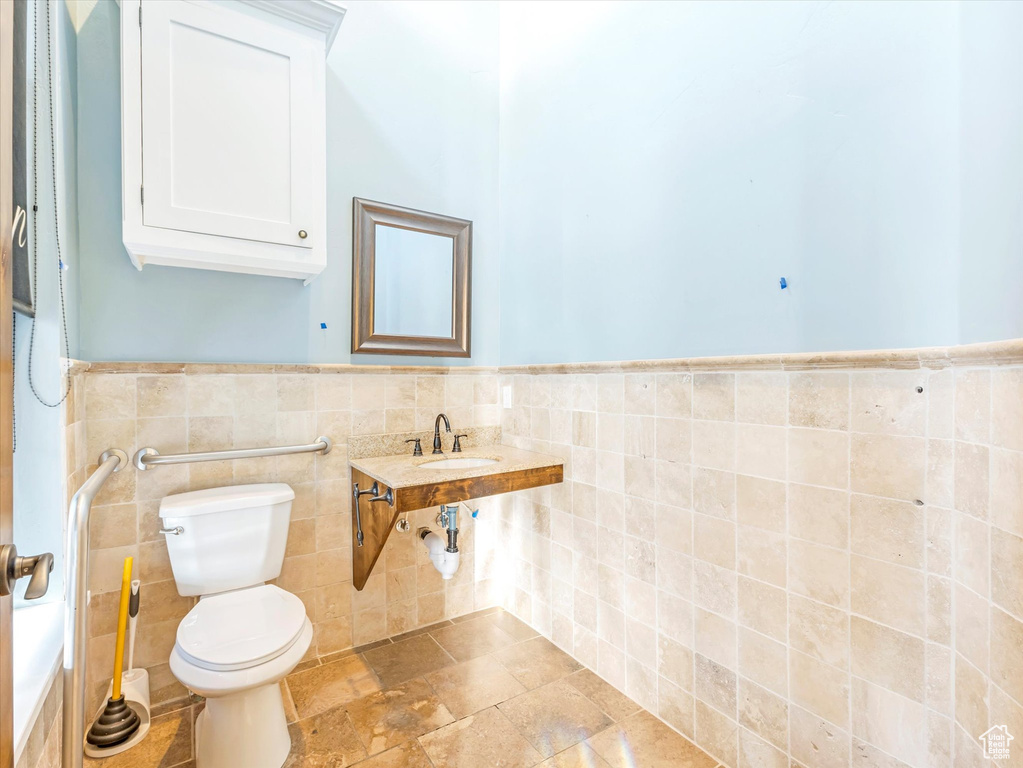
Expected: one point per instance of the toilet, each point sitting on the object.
(244, 635)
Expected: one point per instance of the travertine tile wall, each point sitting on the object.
(817, 565)
(42, 748)
(822, 566)
(209, 408)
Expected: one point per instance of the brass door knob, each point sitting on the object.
(303, 234)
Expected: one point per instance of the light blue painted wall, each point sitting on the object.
(666, 163)
(38, 465)
(991, 157)
(655, 168)
(412, 116)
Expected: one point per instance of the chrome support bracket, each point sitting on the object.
(122, 458)
(140, 454)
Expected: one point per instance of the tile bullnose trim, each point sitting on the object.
(199, 369)
(1008, 352)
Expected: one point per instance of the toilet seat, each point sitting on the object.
(218, 683)
(241, 629)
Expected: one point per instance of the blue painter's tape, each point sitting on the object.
(323, 326)
(783, 283)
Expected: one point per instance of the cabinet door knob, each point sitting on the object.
(303, 234)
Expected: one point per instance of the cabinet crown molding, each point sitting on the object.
(323, 16)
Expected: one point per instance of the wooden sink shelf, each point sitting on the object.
(413, 487)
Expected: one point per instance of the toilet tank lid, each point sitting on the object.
(225, 499)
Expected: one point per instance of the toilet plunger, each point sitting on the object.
(118, 721)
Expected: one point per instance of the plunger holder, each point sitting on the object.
(135, 688)
(117, 722)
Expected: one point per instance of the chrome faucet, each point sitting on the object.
(436, 431)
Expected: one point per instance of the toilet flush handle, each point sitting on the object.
(177, 530)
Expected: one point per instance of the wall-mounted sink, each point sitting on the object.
(465, 463)
(402, 485)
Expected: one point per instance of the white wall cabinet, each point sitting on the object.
(224, 133)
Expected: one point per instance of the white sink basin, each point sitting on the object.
(457, 463)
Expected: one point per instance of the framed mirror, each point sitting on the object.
(411, 281)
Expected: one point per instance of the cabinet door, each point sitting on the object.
(227, 109)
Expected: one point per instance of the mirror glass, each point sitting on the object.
(413, 283)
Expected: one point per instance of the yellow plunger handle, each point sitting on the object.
(122, 624)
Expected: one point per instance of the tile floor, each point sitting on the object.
(482, 691)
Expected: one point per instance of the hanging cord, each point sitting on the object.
(35, 204)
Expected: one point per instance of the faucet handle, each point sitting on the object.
(457, 447)
(418, 450)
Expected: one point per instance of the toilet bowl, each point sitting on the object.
(244, 635)
(233, 649)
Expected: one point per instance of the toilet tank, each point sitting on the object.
(229, 538)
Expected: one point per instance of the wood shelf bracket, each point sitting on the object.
(378, 519)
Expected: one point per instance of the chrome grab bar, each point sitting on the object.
(150, 457)
(76, 605)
